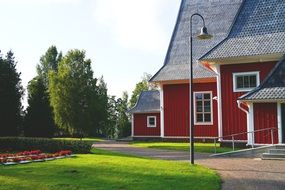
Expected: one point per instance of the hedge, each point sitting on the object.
(13, 144)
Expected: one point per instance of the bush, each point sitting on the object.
(13, 144)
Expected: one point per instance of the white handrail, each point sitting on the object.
(252, 133)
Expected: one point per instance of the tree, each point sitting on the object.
(72, 90)
(100, 110)
(11, 92)
(141, 86)
(48, 62)
(39, 114)
(38, 121)
(124, 125)
(110, 129)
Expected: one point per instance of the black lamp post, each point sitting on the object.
(203, 36)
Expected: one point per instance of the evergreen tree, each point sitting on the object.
(124, 125)
(38, 121)
(11, 92)
(102, 121)
(39, 114)
(110, 128)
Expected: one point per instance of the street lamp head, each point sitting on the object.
(204, 34)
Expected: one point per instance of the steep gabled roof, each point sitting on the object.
(272, 88)
(219, 16)
(258, 30)
(148, 102)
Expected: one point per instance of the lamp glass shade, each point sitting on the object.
(204, 34)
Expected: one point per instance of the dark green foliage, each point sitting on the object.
(14, 144)
(112, 113)
(124, 125)
(38, 121)
(11, 92)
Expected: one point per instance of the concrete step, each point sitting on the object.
(280, 146)
(275, 156)
(276, 151)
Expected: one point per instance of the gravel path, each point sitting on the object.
(236, 173)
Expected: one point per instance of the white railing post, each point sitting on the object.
(233, 142)
(252, 141)
(272, 140)
(215, 141)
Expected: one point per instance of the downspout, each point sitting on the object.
(219, 94)
(216, 69)
(250, 136)
(279, 120)
(133, 126)
(161, 112)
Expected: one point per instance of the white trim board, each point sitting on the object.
(148, 123)
(211, 100)
(236, 74)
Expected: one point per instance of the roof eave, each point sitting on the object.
(185, 81)
(263, 100)
(145, 112)
(243, 59)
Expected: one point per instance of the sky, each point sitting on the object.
(123, 38)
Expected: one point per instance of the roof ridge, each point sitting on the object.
(229, 31)
(171, 39)
(248, 29)
(178, 18)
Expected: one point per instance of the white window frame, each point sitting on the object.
(195, 112)
(235, 75)
(148, 124)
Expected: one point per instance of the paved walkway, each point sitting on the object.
(236, 173)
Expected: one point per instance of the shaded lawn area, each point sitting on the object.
(78, 139)
(104, 171)
(198, 147)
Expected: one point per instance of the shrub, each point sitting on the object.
(13, 144)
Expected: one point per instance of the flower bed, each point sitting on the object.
(32, 156)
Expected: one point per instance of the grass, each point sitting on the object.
(104, 170)
(198, 147)
(78, 139)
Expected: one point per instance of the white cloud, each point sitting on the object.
(133, 23)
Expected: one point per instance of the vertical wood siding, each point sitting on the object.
(176, 110)
(265, 116)
(234, 120)
(140, 125)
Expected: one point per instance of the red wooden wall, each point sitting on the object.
(176, 111)
(265, 116)
(234, 120)
(140, 125)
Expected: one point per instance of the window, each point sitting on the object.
(203, 108)
(151, 121)
(244, 82)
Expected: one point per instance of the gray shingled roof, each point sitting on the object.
(258, 30)
(219, 16)
(272, 88)
(148, 102)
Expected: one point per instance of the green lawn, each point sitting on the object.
(198, 147)
(105, 171)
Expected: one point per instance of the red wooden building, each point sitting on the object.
(239, 75)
